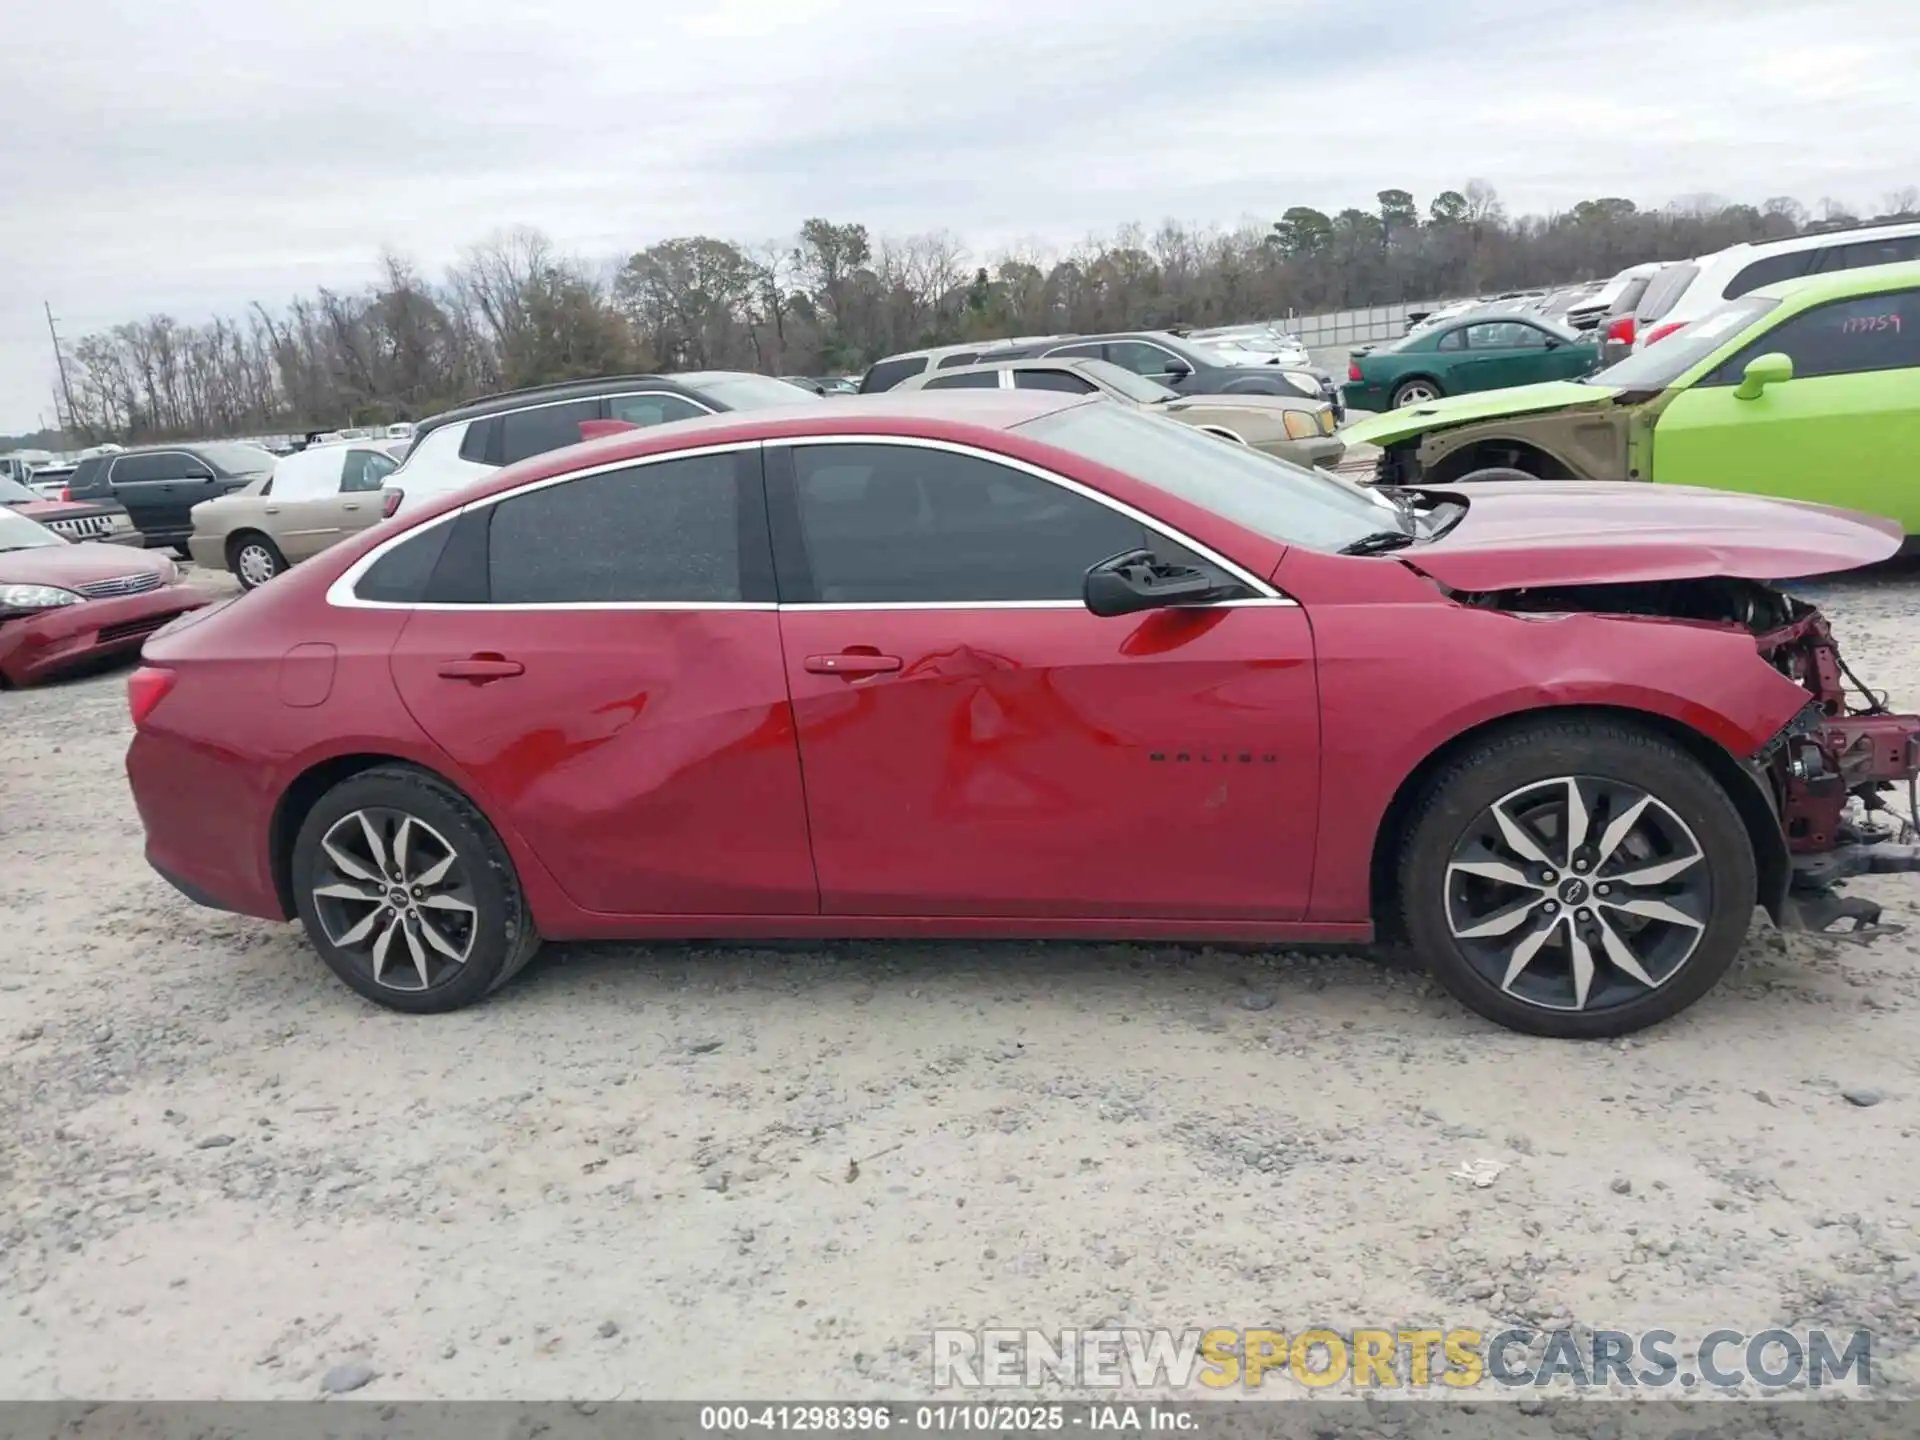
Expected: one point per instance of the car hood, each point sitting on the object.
(69, 565)
(1410, 420)
(1565, 532)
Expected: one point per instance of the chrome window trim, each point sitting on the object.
(340, 593)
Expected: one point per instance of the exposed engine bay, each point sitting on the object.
(1829, 772)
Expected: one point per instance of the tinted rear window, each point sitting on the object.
(1628, 299)
(965, 357)
(889, 373)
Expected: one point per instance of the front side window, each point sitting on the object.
(668, 532)
(659, 409)
(1844, 337)
(1888, 250)
(893, 524)
(526, 433)
(1139, 357)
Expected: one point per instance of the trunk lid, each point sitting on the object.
(1565, 532)
(1410, 420)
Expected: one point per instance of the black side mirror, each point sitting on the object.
(1178, 370)
(1133, 580)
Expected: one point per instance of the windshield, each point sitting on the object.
(237, 459)
(1207, 355)
(1284, 502)
(1123, 381)
(17, 532)
(1667, 359)
(746, 392)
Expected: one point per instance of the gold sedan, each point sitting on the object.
(1296, 430)
(314, 498)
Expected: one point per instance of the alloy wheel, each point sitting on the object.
(1578, 893)
(393, 894)
(1414, 394)
(255, 564)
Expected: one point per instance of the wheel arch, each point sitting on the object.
(1393, 386)
(303, 792)
(1752, 802)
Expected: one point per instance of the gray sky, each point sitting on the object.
(160, 157)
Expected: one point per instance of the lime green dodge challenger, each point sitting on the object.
(1808, 390)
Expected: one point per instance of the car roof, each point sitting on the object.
(1838, 284)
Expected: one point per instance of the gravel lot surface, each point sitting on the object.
(722, 1171)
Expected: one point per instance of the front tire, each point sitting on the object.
(1416, 392)
(1577, 878)
(408, 893)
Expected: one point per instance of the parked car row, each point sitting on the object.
(1180, 363)
(1298, 431)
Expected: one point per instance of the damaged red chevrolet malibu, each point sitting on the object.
(1001, 664)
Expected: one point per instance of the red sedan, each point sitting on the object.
(1014, 664)
(63, 604)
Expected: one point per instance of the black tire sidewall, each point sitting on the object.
(502, 926)
(1572, 747)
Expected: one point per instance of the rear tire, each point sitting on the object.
(1416, 392)
(1615, 935)
(408, 893)
(254, 559)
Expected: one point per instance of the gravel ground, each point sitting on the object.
(721, 1171)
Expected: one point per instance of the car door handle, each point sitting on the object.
(481, 669)
(270, 510)
(349, 504)
(853, 663)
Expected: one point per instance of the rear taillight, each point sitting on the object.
(66, 493)
(146, 688)
(391, 504)
(1660, 332)
(1353, 372)
(1621, 330)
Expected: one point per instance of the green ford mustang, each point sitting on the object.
(1807, 390)
(1487, 351)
